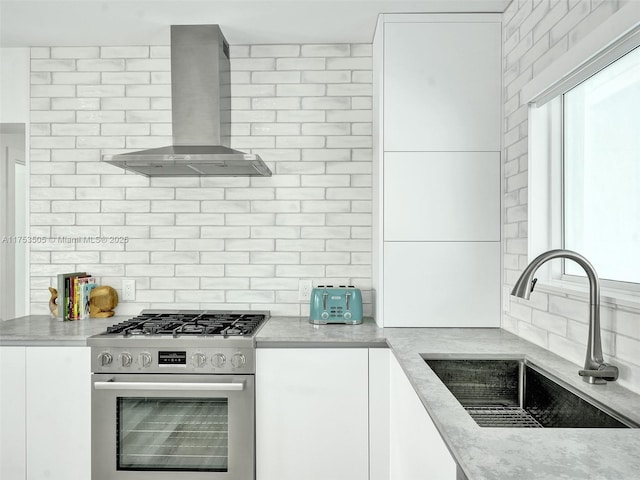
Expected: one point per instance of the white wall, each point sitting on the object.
(535, 34)
(210, 242)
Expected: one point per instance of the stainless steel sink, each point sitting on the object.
(517, 393)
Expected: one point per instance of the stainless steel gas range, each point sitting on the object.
(173, 396)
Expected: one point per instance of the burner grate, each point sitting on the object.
(192, 324)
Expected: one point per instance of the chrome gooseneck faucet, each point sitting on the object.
(595, 370)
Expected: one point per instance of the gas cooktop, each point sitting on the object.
(179, 341)
(190, 322)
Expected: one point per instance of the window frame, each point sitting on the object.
(546, 206)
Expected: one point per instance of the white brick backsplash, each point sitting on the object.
(326, 206)
(224, 258)
(100, 65)
(275, 129)
(148, 90)
(127, 52)
(250, 271)
(199, 245)
(332, 50)
(175, 258)
(300, 271)
(348, 245)
(38, 65)
(304, 90)
(335, 154)
(275, 232)
(326, 103)
(102, 218)
(242, 241)
(300, 116)
(280, 103)
(75, 78)
(275, 50)
(48, 116)
(122, 103)
(323, 76)
(349, 63)
(349, 89)
(158, 103)
(161, 77)
(65, 129)
(52, 142)
(148, 65)
(75, 104)
(250, 219)
(126, 78)
(53, 91)
(150, 116)
(275, 77)
(300, 63)
(100, 142)
(361, 50)
(325, 258)
(225, 232)
(234, 245)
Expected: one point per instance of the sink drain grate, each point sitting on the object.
(501, 416)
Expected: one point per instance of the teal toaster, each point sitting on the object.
(329, 304)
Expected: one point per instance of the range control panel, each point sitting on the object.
(168, 360)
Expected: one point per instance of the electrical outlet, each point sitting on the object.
(506, 299)
(304, 289)
(128, 290)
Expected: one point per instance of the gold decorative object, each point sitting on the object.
(53, 306)
(102, 301)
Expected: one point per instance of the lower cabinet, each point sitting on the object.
(45, 413)
(416, 449)
(312, 414)
(343, 414)
(13, 464)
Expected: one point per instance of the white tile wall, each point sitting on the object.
(210, 242)
(536, 32)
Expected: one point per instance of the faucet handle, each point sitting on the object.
(533, 284)
(604, 371)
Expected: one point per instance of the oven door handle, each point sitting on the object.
(200, 387)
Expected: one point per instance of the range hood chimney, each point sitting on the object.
(201, 114)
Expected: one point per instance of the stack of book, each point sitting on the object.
(73, 295)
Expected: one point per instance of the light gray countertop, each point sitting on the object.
(45, 330)
(482, 453)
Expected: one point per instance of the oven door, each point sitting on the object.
(172, 427)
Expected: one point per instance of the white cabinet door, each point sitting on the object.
(442, 86)
(12, 413)
(312, 414)
(58, 408)
(442, 196)
(417, 451)
(442, 284)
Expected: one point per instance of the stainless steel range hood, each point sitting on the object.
(201, 114)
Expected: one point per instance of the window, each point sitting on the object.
(601, 171)
(584, 164)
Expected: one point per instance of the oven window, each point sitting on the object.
(173, 434)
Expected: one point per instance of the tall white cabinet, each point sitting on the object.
(437, 180)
